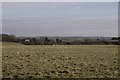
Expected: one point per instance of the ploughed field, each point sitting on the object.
(59, 61)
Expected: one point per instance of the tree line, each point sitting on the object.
(57, 41)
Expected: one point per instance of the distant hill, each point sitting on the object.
(76, 38)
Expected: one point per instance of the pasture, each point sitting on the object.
(59, 61)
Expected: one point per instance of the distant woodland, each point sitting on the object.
(43, 40)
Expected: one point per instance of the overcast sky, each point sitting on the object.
(59, 0)
(60, 19)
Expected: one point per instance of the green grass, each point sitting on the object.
(10, 43)
(60, 61)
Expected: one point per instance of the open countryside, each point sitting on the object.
(47, 40)
(59, 61)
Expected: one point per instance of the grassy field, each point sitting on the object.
(59, 61)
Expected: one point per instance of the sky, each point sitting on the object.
(60, 18)
(0, 18)
(59, 0)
